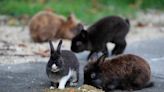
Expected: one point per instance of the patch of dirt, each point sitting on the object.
(83, 88)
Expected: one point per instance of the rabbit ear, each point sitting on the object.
(80, 26)
(101, 59)
(59, 46)
(84, 34)
(71, 17)
(51, 47)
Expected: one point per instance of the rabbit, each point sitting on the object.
(62, 67)
(47, 25)
(109, 29)
(44, 25)
(125, 71)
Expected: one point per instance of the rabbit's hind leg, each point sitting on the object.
(74, 79)
(64, 79)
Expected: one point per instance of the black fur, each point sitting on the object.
(109, 29)
(64, 60)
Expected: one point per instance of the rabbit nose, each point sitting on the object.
(54, 66)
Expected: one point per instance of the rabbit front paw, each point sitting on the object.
(73, 84)
(52, 87)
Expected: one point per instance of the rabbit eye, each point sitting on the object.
(93, 75)
(58, 63)
(78, 43)
(85, 68)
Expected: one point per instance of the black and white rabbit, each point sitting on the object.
(63, 66)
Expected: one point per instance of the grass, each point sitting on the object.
(86, 10)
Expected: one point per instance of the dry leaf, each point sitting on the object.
(140, 24)
(22, 45)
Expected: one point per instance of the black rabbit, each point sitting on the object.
(109, 29)
(126, 72)
(62, 67)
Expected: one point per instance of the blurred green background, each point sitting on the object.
(87, 11)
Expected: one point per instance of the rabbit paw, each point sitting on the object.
(61, 87)
(73, 83)
(52, 87)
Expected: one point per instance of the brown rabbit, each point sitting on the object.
(44, 25)
(126, 72)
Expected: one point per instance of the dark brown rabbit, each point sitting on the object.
(126, 72)
(109, 29)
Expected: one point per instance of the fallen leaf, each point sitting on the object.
(140, 24)
(22, 45)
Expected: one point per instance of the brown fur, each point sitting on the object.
(46, 25)
(126, 71)
(67, 30)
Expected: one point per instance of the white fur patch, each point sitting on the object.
(74, 80)
(54, 66)
(64, 79)
(52, 87)
(93, 75)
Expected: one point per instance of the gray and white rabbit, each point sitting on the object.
(63, 66)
